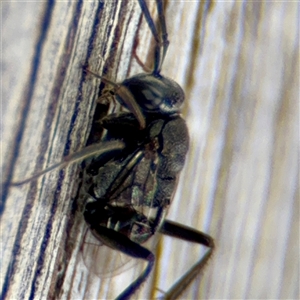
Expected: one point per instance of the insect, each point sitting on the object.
(131, 179)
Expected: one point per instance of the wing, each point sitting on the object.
(103, 261)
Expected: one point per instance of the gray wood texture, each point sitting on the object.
(238, 63)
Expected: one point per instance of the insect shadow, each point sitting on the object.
(131, 179)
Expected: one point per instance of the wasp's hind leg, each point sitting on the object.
(160, 35)
(120, 242)
(188, 234)
(124, 244)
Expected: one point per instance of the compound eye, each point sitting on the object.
(172, 97)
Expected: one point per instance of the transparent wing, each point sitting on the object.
(105, 262)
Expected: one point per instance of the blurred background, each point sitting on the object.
(238, 63)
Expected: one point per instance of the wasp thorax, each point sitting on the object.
(155, 93)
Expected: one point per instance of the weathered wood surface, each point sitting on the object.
(237, 62)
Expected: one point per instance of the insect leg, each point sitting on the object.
(191, 235)
(87, 152)
(125, 98)
(122, 243)
(161, 39)
(163, 28)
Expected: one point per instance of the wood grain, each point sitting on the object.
(238, 63)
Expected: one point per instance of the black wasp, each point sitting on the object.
(130, 182)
